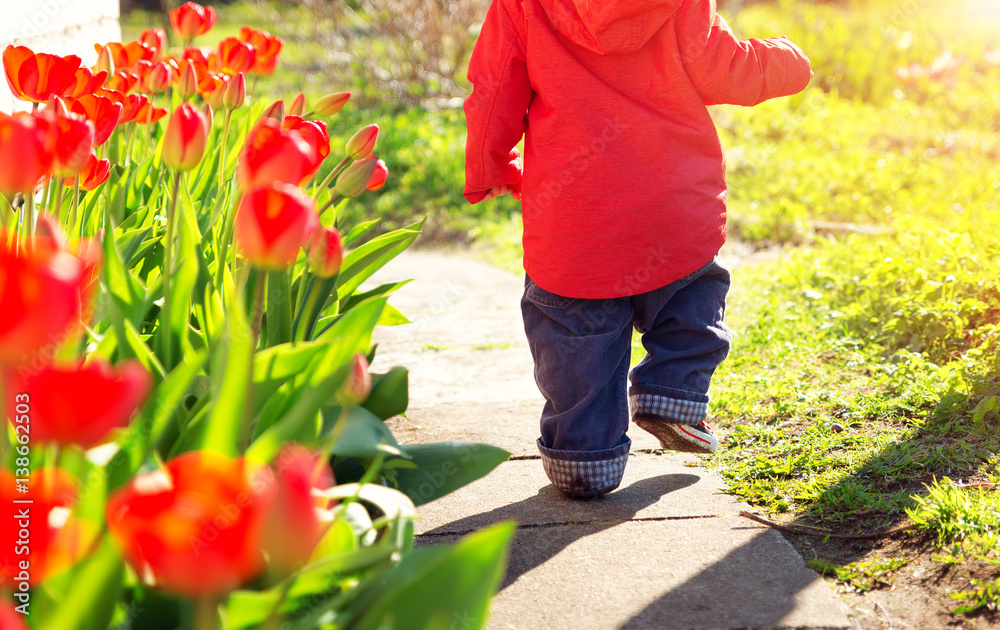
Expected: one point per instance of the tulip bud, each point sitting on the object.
(358, 386)
(275, 111)
(362, 143)
(187, 85)
(379, 176)
(326, 253)
(209, 115)
(236, 92)
(354, 180)
(331, 103)
(216, 97)
(104, 62)
(161, 76)
(298, 107)
(185, 138)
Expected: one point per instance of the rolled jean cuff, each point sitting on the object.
(585, 473)
(668, 409)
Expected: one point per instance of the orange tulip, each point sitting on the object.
(132, 105)
(298, 106)
(314, 132)
(123, 81)
(100, 110)
(87, 82)
(191, 19)
(185, 138)
(42, 294)
(379, 176)
(73, 144)
(235, 56)
(104, 61)
(10, 619)
(331, 103)
(94, 173)
(272, 223)
(358, 385)
(326, 253)
(113, 394)
(192, 528)
(273, 154)
(266, 47)
(149, 114)
(294, 524)
(37, 76)
(156, 40)
(57, 543)
(362, 143)
(127, 55)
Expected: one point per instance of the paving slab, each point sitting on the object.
(458, 376)
(654, 487)
(691, 574)
(513, 426)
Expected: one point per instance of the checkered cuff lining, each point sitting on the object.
(591, 478)
(672, 410)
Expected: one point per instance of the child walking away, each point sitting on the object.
(623, 194)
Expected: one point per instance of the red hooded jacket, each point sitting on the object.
(623, 184)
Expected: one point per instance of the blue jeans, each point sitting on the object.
(582, 351)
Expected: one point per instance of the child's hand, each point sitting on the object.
(500, 191)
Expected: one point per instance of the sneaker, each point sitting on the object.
(686, 438)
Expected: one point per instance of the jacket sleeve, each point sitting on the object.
(496, 111)
(727, 70)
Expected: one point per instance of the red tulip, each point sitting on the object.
(272, 223)
(87, 82)
(149, 114)
(187, 83)
(156, 40)
(362, 143)
(132, 105)
(113, 394)
(235, 56)
(185, 138)
(73, 145)
(94, 173)
(331, 103)
(42, 294)
(355, 178)
(194, 527)
(161, 76)
(191, 19)
(235, 95)
(294, 524)
(100, 110)
(272, 154)
(298, 106)
(358, 385)
(123, 81)
(27, 151)
(379, 176)
(10, 619)
(266, 47)
(326, 253)
(57, 543)
(314, 132)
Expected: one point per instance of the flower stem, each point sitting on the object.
(258, 305)
(59, 200)
(333, 175)
(205, 614)
(333, 201)
(225, 139)
(76, 205)
(167, 261)
(305, 308)
(29, 213)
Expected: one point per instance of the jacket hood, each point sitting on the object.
(609, 27)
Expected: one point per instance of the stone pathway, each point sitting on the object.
(667, 550)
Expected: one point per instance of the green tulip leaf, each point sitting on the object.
(442, 468)
(362, 262)
(390, 393)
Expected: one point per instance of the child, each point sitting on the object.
(624, 208)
